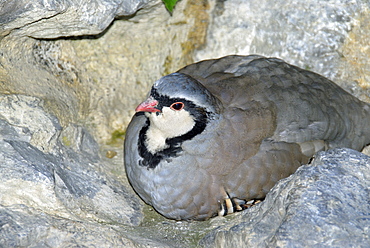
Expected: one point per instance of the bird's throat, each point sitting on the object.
(155, 140)
(167, 125)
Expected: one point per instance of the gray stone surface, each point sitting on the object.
(54, 18)
(27, 227)
(324, 204)
(99, 80)
(39, 171)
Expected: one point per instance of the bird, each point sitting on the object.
(220, 132)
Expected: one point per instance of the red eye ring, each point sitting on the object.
(177, 106)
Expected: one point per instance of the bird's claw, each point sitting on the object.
(231, 205)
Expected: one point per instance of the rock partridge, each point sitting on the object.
(220, 132)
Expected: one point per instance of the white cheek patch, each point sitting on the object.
(168, 124)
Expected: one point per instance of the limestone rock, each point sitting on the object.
(53, 18)
(39, 172)
(99, 79)
(324, 204)
(27, 227)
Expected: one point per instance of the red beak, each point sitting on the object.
(148, 106)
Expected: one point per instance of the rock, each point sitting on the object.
(325, 203)
(25, 114)
(39, 172)
(99, 79)
(27, 227)
(53, 18)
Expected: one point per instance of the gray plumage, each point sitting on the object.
(224, 130)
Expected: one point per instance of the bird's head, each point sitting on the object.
(177, 104)
(178, 86)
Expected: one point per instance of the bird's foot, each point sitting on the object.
(235, 205)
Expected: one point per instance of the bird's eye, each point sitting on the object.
(177, 106)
